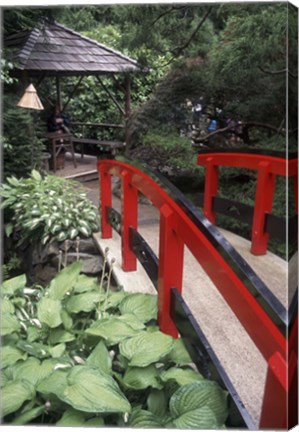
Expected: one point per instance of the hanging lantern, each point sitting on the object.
(30, 99)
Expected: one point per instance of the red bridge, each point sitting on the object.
(270, 326)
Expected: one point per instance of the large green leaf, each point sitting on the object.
(179, 354)
(65, 281)
(115, 298)
(197, 403)
(35, 333)
(95, 422)
(10, 355)
(100, 358)
(112, 329)
(85, 302)
(4, 378)
(139, 378)
(157, 402)
(7, 306)
(57, 350)
(59, 335)
(14, 394)
(144, 419)
(49, 312)
(132, 320)
(28, 415)
(86, 283)
(200, 418)
(54, 381)
(144, 306)
(10, 286)
(34, 348)
(87, 390)
(9, 324)
(146, 348)
(33, 370)
(181, 376)
(67, 320)
(71, 417)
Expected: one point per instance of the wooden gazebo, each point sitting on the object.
(53, 50)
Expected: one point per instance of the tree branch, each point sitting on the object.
(177, 51)
(231, 128)
(278, 72)
(173, 8)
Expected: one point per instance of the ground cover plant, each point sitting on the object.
(47, 208)
(76, 354)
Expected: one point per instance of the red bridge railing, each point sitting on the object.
(268, 166)
(178, 229)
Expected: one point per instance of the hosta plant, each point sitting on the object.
(48, 208)
(74, 354)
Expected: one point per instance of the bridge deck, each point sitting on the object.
(237, 353)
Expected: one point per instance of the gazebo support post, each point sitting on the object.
(58, 91)
(127, 107)
(40, 79)
(73, 93)
(110, 95)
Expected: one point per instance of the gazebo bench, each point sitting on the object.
(111, 146)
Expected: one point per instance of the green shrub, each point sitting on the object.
(23, 136)
(44, 209)
(64, 363)
(166, 151)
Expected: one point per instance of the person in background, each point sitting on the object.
(58, 122)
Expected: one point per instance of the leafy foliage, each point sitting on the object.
(6, 68)
(166, 152)
(252, 42)
(53, 373)
(48, 208)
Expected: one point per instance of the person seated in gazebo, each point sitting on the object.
(58, 122)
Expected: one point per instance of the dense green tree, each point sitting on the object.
(242, 71)
(245, 64)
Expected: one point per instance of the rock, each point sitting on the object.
(43, 274)
(42, 261)
(85, 245)
(92, 264)
(88, 246)
(53, 249)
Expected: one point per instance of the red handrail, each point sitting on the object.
(177, 230)
(268, 167)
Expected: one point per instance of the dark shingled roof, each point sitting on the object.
(58, 50)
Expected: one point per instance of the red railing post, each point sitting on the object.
(262, 205)
(296, 192)
(279, 410)
(275, 402)
(129, 212)
(211, 188)
(293, 375)
(171, 259)
(105, 201)
(292, 418)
